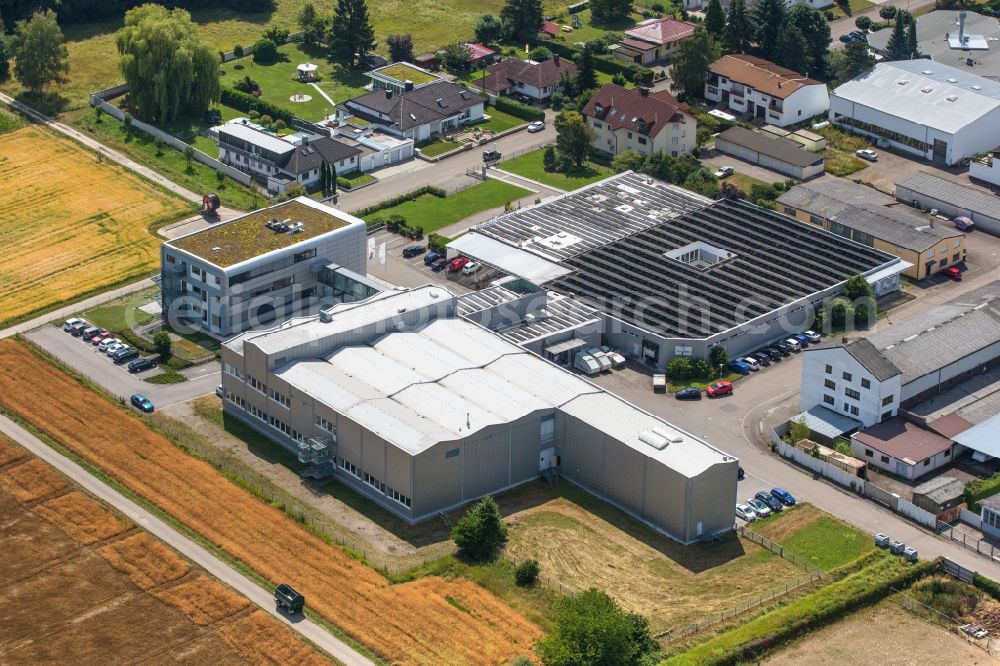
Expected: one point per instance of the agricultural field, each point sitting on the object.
(72, 226)
(90, 579)
(431, 620)
(580, 543)
(815, 535)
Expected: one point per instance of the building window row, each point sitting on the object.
(829, 399)
(327, 426)
(233, 371)
(256, 385)
(830, 384)
(851, 409)
(851, 393)
(887, 400)
(374, 483)
(279, 398)
(349, 467)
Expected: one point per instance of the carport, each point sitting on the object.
(982, 439)
(506, 258)
(827, 425)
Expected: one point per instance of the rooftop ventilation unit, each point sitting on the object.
(656, 441)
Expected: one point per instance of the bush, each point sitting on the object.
(526, 573)
(480, 533)
(279, 124)
(436, 243)
(253, 114)
(402, 198)
(343, 183)
(980, 489)
(679, 368)
(247, 85)
(515, 108)
(244, 102)
(266, 120)
(238, 51)
(163, 344)
(540, 54)
(657, 7)
(265, 51)
(798, 430)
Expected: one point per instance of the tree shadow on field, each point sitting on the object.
(51, 104)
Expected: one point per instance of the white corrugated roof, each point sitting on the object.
(257, 138)
(984, 437)
(924, 92)
(507, 258)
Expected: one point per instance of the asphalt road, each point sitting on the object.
(193, 551)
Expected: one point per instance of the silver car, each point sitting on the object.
(762, 510)
(536, 126)
(745, 513)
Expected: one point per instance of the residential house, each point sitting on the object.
(536, 80)
(636, 119)
(400, 77)
(417, 113)
(902, 448)
(759, 89)
(653, 40)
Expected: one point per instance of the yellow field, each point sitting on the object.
(70, 225)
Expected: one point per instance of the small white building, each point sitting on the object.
(853, 379)
(986, 167)
(759, 89)
(941, 113)
(902, 448)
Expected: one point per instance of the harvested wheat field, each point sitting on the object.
(104, 590)
(31, 480)
(71, 225)
(646, 573)
(410, 623)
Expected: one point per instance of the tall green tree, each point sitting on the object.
(887, 12)
(480, 533)
(739, 30)
(715, 19)
(605, 11)
(573, 136)
(169, 70)
(586, 77)
(815, 29)
(489, 29)
(593, 630)
(455, 57)
(854, 59)
(4, 57)
(309, 23)
(690, 63)
(793, 50)
(522, 17)
(768, 24)
(351, 33)
(897, 48)
(911, 39)
(41, 58)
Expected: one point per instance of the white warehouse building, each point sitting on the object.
(938, 112)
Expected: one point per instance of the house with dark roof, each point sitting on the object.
(653, 40)
(902, 447)
(759, 89)
(536, 80)
(868, 216)
(637, 119)
(416, 113)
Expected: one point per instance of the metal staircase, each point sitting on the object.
(319, 453)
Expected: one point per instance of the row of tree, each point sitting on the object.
(84, 11)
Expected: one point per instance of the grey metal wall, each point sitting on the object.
(983, 222)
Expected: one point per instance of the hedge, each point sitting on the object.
(987, 585)
(244, 102)
(979, 489)
(749, 641)
(402, 198)
(515, 108)
(602, 62)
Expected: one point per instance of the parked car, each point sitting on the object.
(867, 154)
(430, 258)
(77, 329)
(103, 345)
(802, 339)
(113, 349)
(751, 363)
(739, 367)
(859, 36)
(773, 354)
(794, 344)
(719, 388)
(140, 364)
(724, 171)
(218, 390)
(783, 496)
(536, 126)
(413, 250)
(952, 273)
(776, 354)
(70, 323)
(101, 337)
(89, 332)
(689, 393)
(142, 402)
(457, 264)
(773, 503)
(785, 348)
(471, 268)
(744, 512)
(847, 39)
(439, 264)
(762, 510)
(962, 223)
(124, 355)
(762, 358)
(813, 336)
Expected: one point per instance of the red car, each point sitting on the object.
(101, 337)
(952, 274)
(719, 388)
(457, 264)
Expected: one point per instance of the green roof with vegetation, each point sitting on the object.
(401, 72)
(247, 237)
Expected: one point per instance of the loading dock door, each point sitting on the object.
(940, 151)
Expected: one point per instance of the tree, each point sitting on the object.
(310, 23)
(480, 533)
(489, 29)
(331, 179)
(768, 24)
(715, 19)
(4, 57)
(627, 160)
(719, 356)
(455, 57)
(277, 35)
(857, 287)
(155, 41)
(815, 29)
(739, 30)
(526, 573)
(127, 125)
(887, 12)
(586, 77)
(237, 51)
(690, 64)
(39, 53)
(862, 317)
(730, 191)
(593, 630)
(854, 59)
(539, 54)
(549, 161)
(265, 51)
(188, 156)
(863, 23)
(793, 50)
(351, 33)
(400, 47)
(573, 136)
(703, 182)
(605, 11)
(522, 17)
(897, 47)
(163, 344)
(911, 39)
(679, 368)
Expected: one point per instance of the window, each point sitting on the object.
(954, 258)
(349, 467)
(957, 244)
(374, 483)
(852, 394)
(947, 452)
(547, 432)
(927, 462)
(279, 398)
(642, 140)
(452, 453)
(829, 369)
(848, 376)
(869, 453)
(815, 220)
(887, 400)
(305, 254)
(630, 135)
(674, 141)
(327, 426)
(865, 384)
(930, 253)
(885, 459)
(830, 384)
(170, 259)
(854, 410)
(790, 211)
(282, 283)
(259, 386)
(828, 399)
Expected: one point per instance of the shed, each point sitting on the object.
(942, 496)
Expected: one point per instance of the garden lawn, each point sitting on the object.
(439, 147)
(500, 121)
(531, 165)
(812, 533)
(433, 213)
(120, 315)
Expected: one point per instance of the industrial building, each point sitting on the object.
(926, 108)
(771, 152)
(420, 410)
(959, 38)
(674, 273)
(268, 264)
(932, 192)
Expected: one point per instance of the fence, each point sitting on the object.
(957, 570)
(778, 549)
(970, 541)
(916, 514)
(883, 497)
(970, 518)
(818, 466)
(923, 611)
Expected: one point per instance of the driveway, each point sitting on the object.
(711, 157)
(116, 379)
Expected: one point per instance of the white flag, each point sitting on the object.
(381, 254)
(371, 249)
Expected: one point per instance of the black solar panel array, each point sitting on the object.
(778, 262)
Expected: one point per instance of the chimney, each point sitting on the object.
(388, 94)
(644, 91)
(555, 59)
(961, 27)
(408, 85)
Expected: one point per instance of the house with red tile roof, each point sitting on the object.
(759, 89)
(653, 40)
(537, 80)
(639, 120)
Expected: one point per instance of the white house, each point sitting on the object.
(853, 379)
(941, 113)
(902, 448)
(759, 89)
(537, 80)
(417, 113)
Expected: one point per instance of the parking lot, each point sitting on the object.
(413, 272)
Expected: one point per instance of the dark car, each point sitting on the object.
(773, 352)
(740, 473)
(439, 264)
(124, 355)
(764, 359)
(140, 401)
(847, 39)
(413, 251)
(431, 257)
(783, 496)
(773, 502)
(140, 364)
(689, 393)
(285, 596)
(90, 334)
(802, 338)
(785, 348)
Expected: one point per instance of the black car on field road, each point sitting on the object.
(689, 393)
